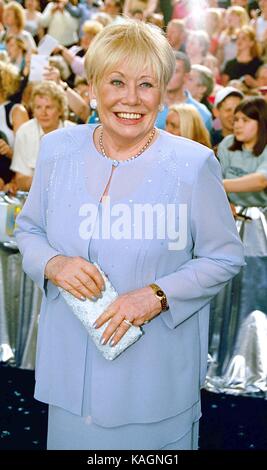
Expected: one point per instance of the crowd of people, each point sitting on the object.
(220, 50)
(199, 72)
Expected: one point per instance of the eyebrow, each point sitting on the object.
(142, 76)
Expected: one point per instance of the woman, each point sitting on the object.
(50, 111)
(12, 115)
(235, 18)
(247, 59)
(136, 401)
(14, 23)
(33, 19)
(184, 120)
(243, 157)
(5, 173)
(16, 49)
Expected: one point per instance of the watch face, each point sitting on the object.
(160, 293)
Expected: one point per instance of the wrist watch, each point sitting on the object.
(161, 296)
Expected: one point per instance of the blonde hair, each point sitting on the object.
(240, 12)
(250, 33)
(191, 124)
(19, 13)
(53, 91)
(92, 27)
(133, 42)
(9, 79)
(215, 14)
(19, 42)
(103, 18)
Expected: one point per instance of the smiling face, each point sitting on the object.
(226, 112)
(245, 130)
(128, 104)
(243, 42)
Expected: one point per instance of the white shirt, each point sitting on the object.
(27, 143)
(61, 25)
(261, 26)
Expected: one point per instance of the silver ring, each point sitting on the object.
(145, 322)
(127, 322)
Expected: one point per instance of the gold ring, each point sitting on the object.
(127, 322)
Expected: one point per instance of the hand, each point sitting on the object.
(51, 73)
(138, 307)
(233, 209)
(11, 187)
(58, 49)
(250, 81)
(5, 149)
(76, 275)
(59, 6)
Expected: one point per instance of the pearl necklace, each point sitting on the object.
(117, 162)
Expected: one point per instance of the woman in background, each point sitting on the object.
(17, 49)
(184, 120)
(12, 115)
(14, 22)
(247, 60)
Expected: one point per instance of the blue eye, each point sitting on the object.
(116, 82)
(146, 85)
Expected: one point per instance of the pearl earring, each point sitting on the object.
(93, 103)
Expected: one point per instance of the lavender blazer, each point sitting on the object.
(161, 374)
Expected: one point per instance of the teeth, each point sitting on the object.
(129, 115)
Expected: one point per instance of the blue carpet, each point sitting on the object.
(228, 422)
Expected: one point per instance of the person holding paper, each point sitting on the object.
(151, 210)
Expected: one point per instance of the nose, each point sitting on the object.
(131, 95)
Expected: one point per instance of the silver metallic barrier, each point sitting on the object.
(20, 298)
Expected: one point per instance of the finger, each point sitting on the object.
(94, 274)
(75, 293)
(89, 284)
(79, 291)
(120, 332)
(112, 327)
(110, 312)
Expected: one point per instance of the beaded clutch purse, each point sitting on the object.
(88, 311)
